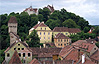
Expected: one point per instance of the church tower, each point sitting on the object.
(12, 29)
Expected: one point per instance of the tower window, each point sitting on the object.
(8, 55)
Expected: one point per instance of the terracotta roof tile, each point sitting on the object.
(79, 42)
(35, 61)
(31, 9)
(12, 20)
(95, 56)
(61, 36)
(66, 29)
(15, 59)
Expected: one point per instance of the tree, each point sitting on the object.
(33, 39)
(97, 44)
(40, 17)
(69, 23)
(96, 30)
(2, 55)
(86, 29)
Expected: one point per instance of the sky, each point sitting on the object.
(88, 9)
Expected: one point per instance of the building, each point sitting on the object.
(31, 10)
(43, 31)
(65, 30)
(60, 40)
(51, 8)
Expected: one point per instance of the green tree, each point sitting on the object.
(40, 17)
(97, 44)
(2, 55)
(33, 39)
(69, 23)
(86, 29)
(96, 30)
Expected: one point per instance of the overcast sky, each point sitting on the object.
(88, 9)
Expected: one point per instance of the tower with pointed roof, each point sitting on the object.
(12, 29)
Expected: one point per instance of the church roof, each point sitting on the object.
(12, 19)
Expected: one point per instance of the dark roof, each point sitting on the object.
(15, 59)
(66, 29)
(35, 61)
(47, 51)
(61, 36)
(12, 20)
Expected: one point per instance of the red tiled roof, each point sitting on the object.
(12, 20)
(53, 51)
(44, 55)
(95, 56)
(65, 50)
(66, 29)
(79, 42)
(15, 59)
(40, 25)
(61, 36)
(35, 61)
(91, 41)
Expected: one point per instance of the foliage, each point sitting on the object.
(96, 30)
(33, 39)
(97, 44)
(82, 36)
(2, 55)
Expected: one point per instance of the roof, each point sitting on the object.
(12, 19)
(61, 36)
(39, 25)
(79, 42)
(15, 34)
(51, 8)
(95, 55)
(91, 41)
(66, 29)
(47, 51)
(15, 59)
(16, 43)
(31, 9)
(35, 61)
(65, 50)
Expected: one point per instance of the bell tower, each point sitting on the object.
(12, 25)
(12, 29)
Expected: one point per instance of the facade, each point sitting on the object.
(60, 40)
(43, 31)
(31, 10)
(22, 49)
(65, 30)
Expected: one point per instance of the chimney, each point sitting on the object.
(44, 45)
(78, 54)
(83, 58)
(38, 22)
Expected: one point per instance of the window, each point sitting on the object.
(48, 33)
(44, 37)
(58, 40)
(40, 33)
(61, 44)
(40, 37)
(48, 37)
(23, 61)
(28, 54)
(18, 48)
(23, 54)
(58, 44)
(67, 40)
(19, 54)
(18, 44)
(45, 28)
(66, 33)
(8, 55)
(44, 33)
(41, 28)
(67, 43)
(64, 40)
(22, 48)
(14, 48)
(61, 40)
(64, 44)
(94, 48)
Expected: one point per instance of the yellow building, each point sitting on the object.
(66, 31)
(43, 31)
(60, 40)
